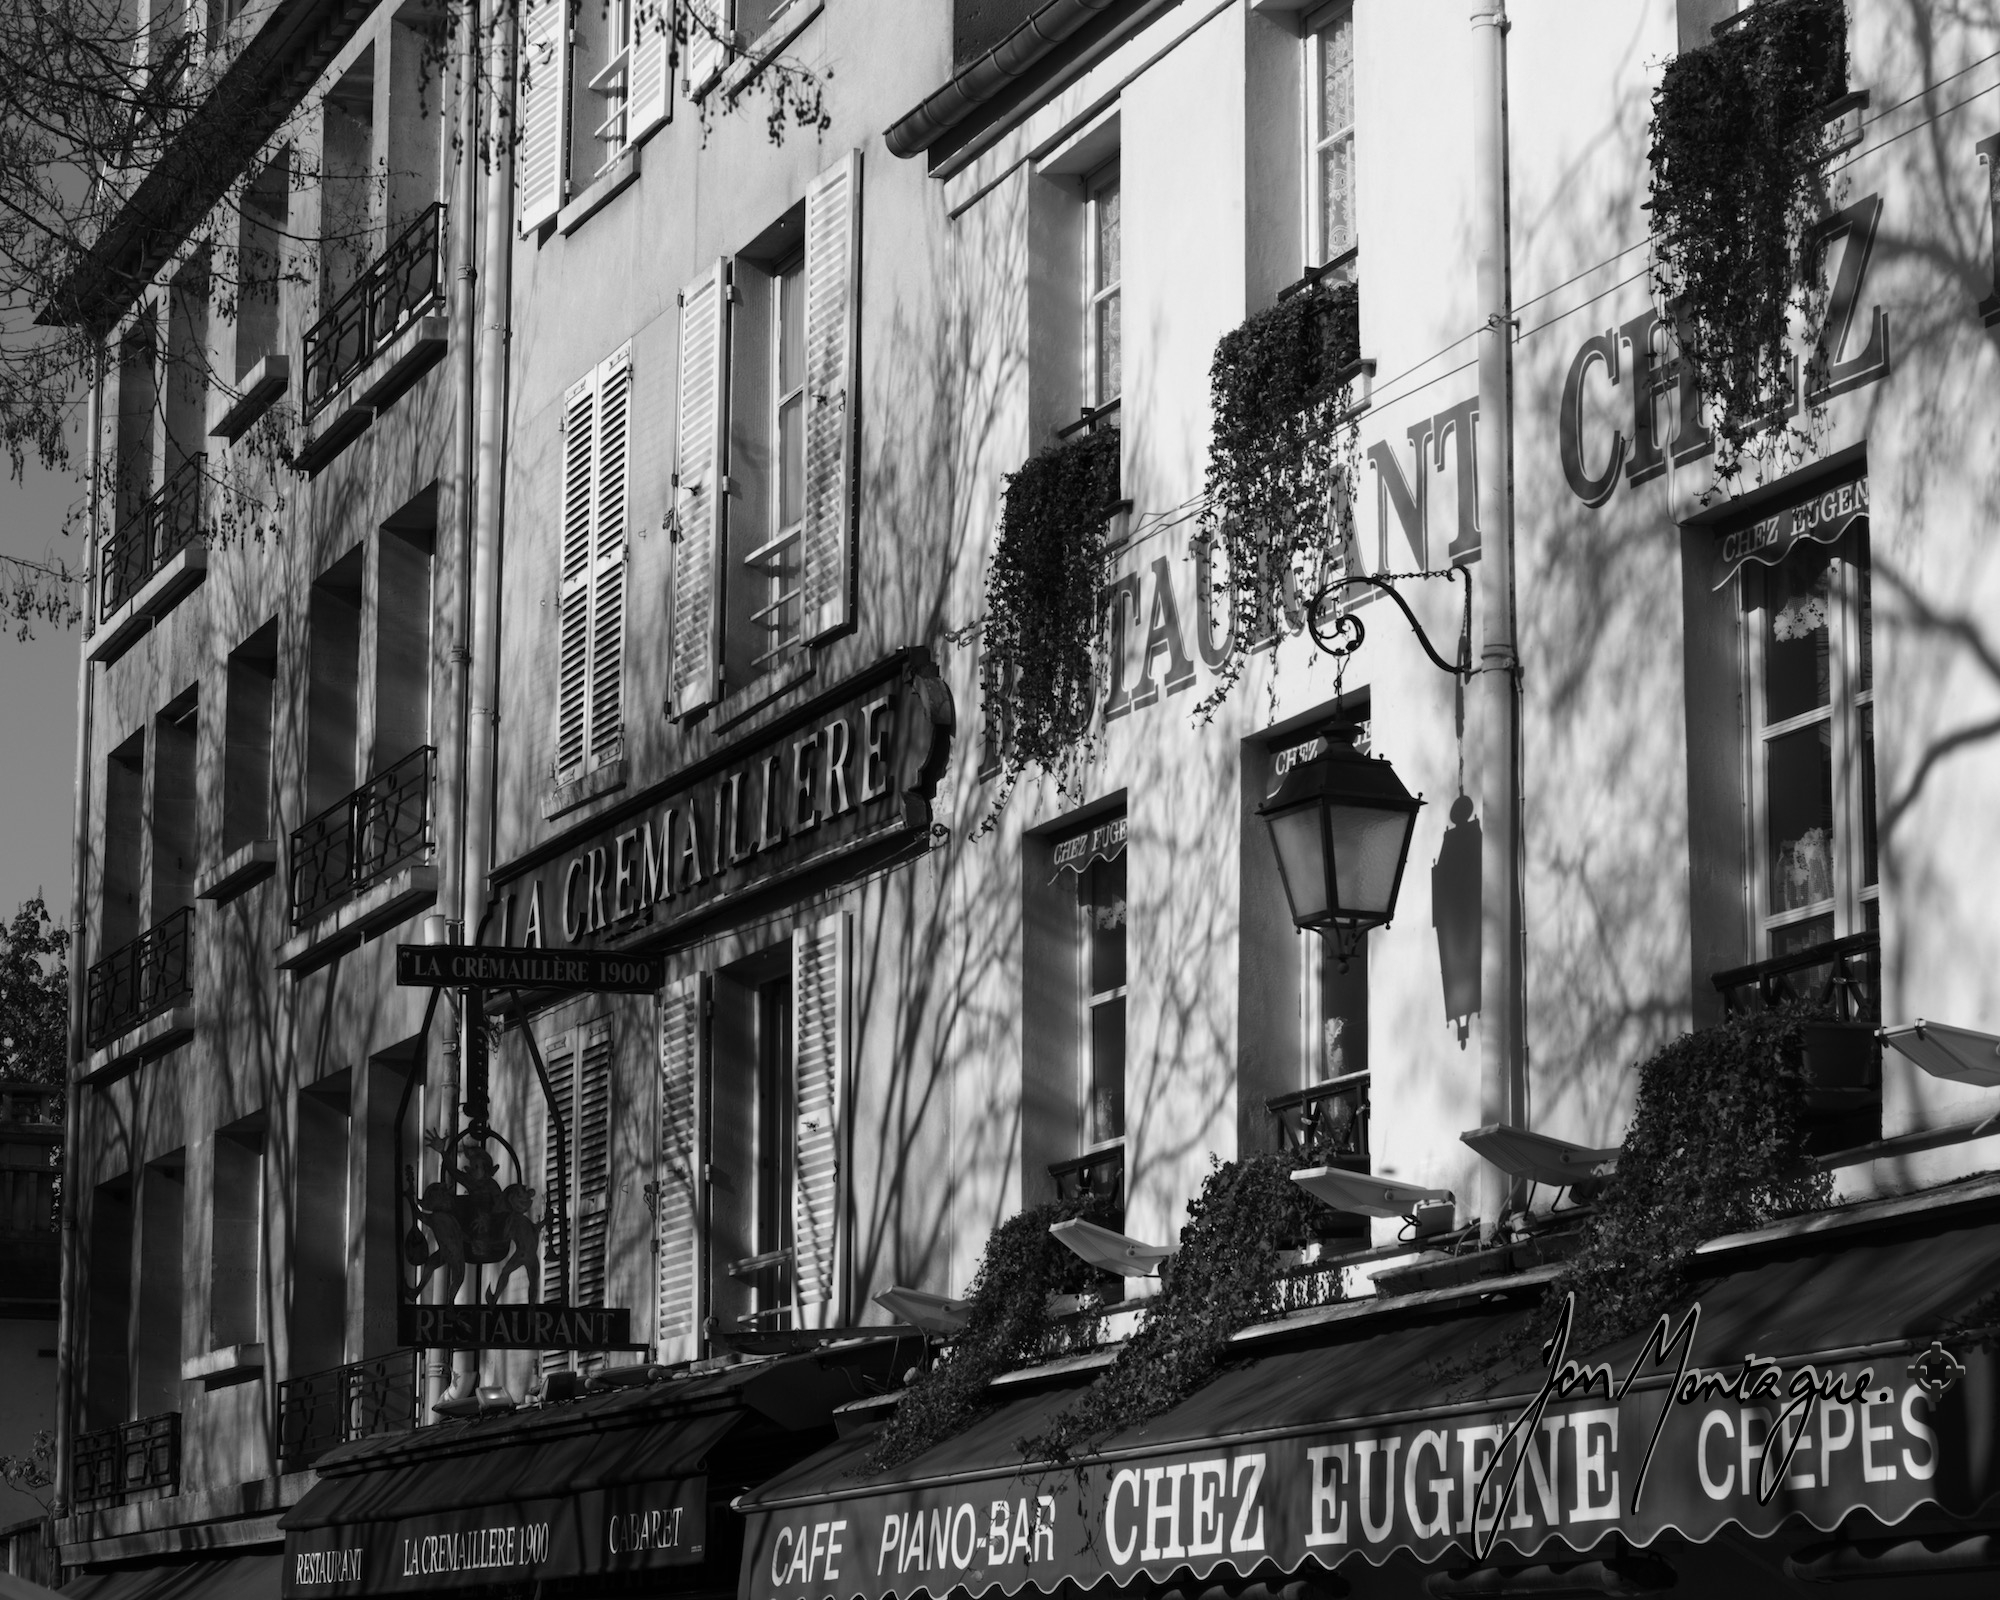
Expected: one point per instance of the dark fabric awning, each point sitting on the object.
(609, 1484)
(1365, 1429)
(249, 1577)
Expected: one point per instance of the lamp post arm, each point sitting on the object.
(1351, 631)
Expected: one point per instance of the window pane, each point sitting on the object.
(1865, 754)
(1101, 894)
(1865, 617)
(1336, 178)
(1108, 354)
(791, 461)
(1106, 1117)
(1343, 1006)
(1799, 794)
(1804, 935)
(1107, 237)
(791, 330)
(1798, 598)
(1336, 58)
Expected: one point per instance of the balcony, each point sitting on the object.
(138, 999)
(379, 337)
(362, 865)
(357, 1401)
(150, 563)
(1327, 1126)
(112, 1464)
(1837, 989)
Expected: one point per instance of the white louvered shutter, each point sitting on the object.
(819, 1053)
(573, 605)
(833, 262)
(677, 1217)
(608, 544)
(543, 110)
(711, 29)
(593, 1161)
(700, 498)
(559, 1056)
(652, 84)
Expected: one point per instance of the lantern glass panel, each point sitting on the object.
(1367, 853)
(1301, 848)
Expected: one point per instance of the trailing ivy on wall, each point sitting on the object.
(1282, 454)
(1717, 1145)
(1224, 1278)
(1045, 606)
(1007, 1326)
(1738, 192)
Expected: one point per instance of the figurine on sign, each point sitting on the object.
(471, 1218)
(437, 1209)
(521, 1231)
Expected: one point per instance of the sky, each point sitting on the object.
(37, 707)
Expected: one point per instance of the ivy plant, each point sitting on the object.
(1717, 1145)
(1045, 606)
(1224, 1277)
(1008, 1324)
(1738, 153)
(1279, 502)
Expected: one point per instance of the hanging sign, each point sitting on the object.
(525, 1327)
(854, 769)
(1824, 516)
(1105, 842)
(461, 966)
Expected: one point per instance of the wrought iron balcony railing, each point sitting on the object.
(134, 984)
(1841, 977)
(1326, 1125)
(363, 837)
(406, 281)
(112, 1463)
(322, 1409)
(163, 527)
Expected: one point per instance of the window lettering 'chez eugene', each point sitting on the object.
(1810, 694)
(1330, 225)
(763, 520)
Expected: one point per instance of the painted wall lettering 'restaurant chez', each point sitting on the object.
(1753, 1446)
(852, 770)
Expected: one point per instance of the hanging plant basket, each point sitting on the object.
(1740, 143)
(1045, 607)
(1279, 505)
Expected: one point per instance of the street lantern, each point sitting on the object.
(1340, 823)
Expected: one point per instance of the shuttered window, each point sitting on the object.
(711, 35)
(700, 485)
(833, 256)
(678, 1175)
(651, 80)
(543, 111)
(579, 1066)
(820, 1053)
(590, 728)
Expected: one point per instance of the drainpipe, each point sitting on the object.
(441, 1109)
(483, 697)
(66, 1318)
(1502, 1078)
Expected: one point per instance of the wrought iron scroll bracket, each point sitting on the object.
(1345, 634)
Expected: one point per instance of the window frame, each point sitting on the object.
(1091, 1000)
(1849, 701)
(769, 560)
(1102, 180)
(612, 82)
(1318, 138)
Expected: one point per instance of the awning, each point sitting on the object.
(252, 1577)
(611, 1483)
(1823, 515)
(1365, 1429)
(1104, 841)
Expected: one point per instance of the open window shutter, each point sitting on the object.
(559, 1056)
(543, 110)
(711, 28)
(607, 604)
(677, 1212)
(652, 40)
(700, 500)
(593, 1161)
(833, 261)
(819, 1053)
(579, 462)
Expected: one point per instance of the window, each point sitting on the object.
(262, 227)
(590, 728)
(107, 1377)
(1330, 227)
(579, 1065)
(1103, 373)
(246, 755)
(612, 85)
(763, 483)
(618, 52)
(236, 1240)
(1100, 901)
(156, 1376)
(1812, 744)
(322, 1258)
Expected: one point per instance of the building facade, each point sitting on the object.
(657, 630)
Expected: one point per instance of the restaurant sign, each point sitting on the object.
(1595, 1453)
(467, 966)
(518, 1327)
(1824, 516)
(856, 767)
(631, 1528)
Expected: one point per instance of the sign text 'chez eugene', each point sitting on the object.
(855, 767)
(629, 1528)
(1595, 1452)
